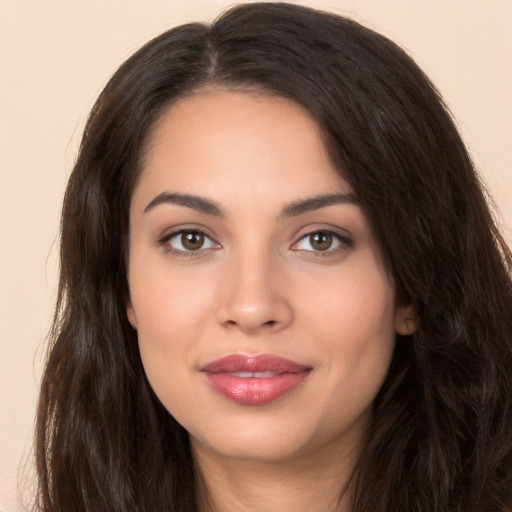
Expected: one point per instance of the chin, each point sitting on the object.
(284, 439)
(263, 447)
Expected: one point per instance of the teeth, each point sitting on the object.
(246, 375)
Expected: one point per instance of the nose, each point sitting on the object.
(254, 298)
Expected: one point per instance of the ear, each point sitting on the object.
(130, 313)
(406, 319)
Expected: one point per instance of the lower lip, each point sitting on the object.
(255, 390)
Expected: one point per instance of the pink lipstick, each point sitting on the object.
(254, 380)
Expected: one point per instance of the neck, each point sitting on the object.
(314, 483)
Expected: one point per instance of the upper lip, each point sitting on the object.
(260, 363)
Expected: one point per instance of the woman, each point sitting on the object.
(281, 287)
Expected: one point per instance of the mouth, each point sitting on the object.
(254, 380)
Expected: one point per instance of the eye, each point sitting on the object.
(322, 241)
(189, 240)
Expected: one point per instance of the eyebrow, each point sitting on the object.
(208, 207)
(315, 203)
(197, 203)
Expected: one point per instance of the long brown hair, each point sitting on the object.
(441, 437)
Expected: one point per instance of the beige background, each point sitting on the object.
(56, 55)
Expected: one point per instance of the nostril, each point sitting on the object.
(249, 326)
(251, 315)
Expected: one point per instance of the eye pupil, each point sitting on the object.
(192, 240)
(321, 241)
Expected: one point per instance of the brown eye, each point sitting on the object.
(189, 241)
(192, 240)
(320, 241)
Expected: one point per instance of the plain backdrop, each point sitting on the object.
(55, 57)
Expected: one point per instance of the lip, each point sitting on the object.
(254, 380)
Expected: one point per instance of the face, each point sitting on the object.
(265, 320)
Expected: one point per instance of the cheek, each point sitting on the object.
(356, 319)
(171, 312)
(357, 303)
(167, 303)
(356, 340)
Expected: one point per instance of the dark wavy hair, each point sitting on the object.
(441, 435)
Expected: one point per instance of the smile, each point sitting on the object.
(254, 380)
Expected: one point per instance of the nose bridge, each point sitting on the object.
(254, 296)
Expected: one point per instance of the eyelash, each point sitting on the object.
(343, 243)
(165, 241)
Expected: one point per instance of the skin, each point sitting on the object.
(258, 286)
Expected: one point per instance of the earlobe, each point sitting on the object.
(406, 320)
(130, 313)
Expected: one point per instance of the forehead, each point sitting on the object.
(237, 144)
